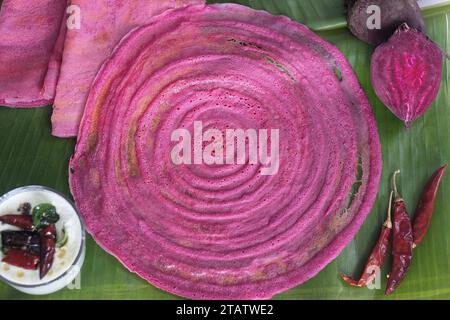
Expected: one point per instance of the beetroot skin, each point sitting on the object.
(406, 73)
(393, 14)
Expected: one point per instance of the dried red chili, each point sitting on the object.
(21, 259)
(48, 242)
(377, 256)
(18, 220)
(424, 210)
(402, 243)
(22, 240)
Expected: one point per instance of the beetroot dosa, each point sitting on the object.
(102, 24)
(31, 44)
(225, 231)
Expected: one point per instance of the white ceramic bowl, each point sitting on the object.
(68, 259)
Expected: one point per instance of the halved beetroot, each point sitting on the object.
(406, 73)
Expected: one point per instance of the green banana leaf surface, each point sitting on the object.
(30, 155)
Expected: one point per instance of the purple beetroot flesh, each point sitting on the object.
(406, 73)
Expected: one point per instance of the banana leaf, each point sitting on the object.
(30, 155)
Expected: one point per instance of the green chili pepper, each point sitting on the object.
(44, 214)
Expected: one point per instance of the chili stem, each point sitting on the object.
(388, 222)
(394, 185)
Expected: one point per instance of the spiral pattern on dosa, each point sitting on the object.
(225, 231)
